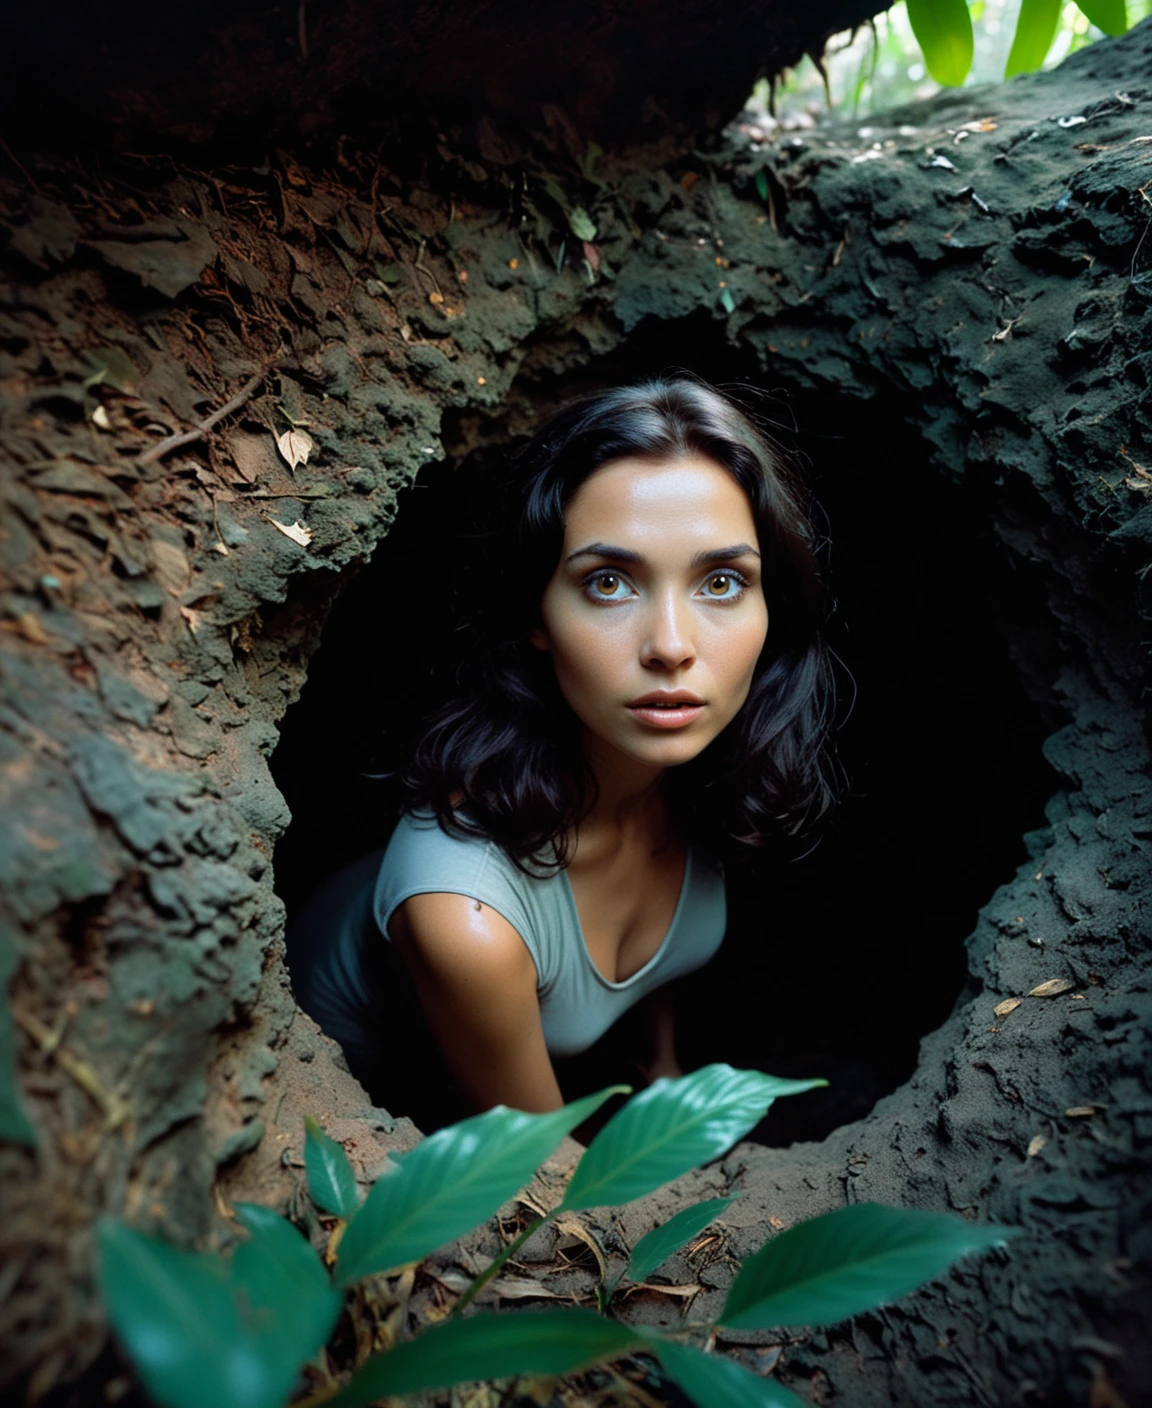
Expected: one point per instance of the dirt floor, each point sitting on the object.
(171, 334)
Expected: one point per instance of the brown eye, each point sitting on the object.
(606, 583)
(719, 584)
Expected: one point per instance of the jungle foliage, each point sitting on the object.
(205, 1329)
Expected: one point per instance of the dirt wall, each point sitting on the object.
(983, 259)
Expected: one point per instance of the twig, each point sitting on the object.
(115, 1108)
(188, 437)
(302, 28)
(16, 163)
(485, 1276)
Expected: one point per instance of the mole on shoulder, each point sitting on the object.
(479, 906)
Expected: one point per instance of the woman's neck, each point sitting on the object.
(631, 795)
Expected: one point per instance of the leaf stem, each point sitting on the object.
(486, 1275)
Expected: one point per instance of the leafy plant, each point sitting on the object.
(203, 1330)
(943, 29)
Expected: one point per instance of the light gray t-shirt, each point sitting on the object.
(577, 1002)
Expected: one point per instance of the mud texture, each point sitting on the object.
(983, 262)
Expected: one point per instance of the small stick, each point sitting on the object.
(16, 162)
(188, 437)
(115, 1108)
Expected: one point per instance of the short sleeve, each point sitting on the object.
(423, 859)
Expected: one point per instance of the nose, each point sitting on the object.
(667, 642)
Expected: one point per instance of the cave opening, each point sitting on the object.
(836, 963)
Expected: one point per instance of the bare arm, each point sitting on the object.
(477, 984)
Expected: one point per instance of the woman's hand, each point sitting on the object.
(648, 1071)
(477, 984)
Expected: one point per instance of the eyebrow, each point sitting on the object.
(701, 559)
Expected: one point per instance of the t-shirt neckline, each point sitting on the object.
(616, 986)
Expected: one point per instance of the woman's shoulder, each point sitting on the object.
(425, 853)
(421, 837)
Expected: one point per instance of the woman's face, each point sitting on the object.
(657, 593)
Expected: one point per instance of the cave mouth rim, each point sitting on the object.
(454, 463)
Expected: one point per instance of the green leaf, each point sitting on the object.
(331, 1182)
(762, 185)
(454, 1180)
(1035, 30)
(727, 301)
(712, 1381)
(943, 29)
(14, 1124)
(659, 1244)
(556, 191)
(282, 1274)
(1109, 15)
(488, 1346)
(111, 367)
(671, 1127)
(848, 1261)
(580, 223)
(178, 1318)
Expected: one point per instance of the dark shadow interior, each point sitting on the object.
(838, 963)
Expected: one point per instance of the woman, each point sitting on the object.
(651, 701)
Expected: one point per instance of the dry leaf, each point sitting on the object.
(31, 629)
(981, 124)
(509, 1287)
(574, 1228)
(1009, 1004)
(1035, 1144)
(302, 535)
(252, 455)
(521, 1288)
(1081, 1112)
(192, 617)
(100, 418)
(1052, 988)
(172, 566)
(295, 446)
(693, 1289)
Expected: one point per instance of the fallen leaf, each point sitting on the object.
(981, 124)
(1081, 1112)
(295, 446)
(111, 367)
(192, 617)
(1035, 1144)
(31, 629)
(574, 1228)
(1009, 1004)
(592, 254)
(508, 1287)
(942, 161)
(253, 457)
(521, 1288)
(693, 1289)
(302, 535)
(172, 566)
(580, 223)
(1052, 988)
(100, 418)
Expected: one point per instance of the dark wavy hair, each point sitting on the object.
(503, 759)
